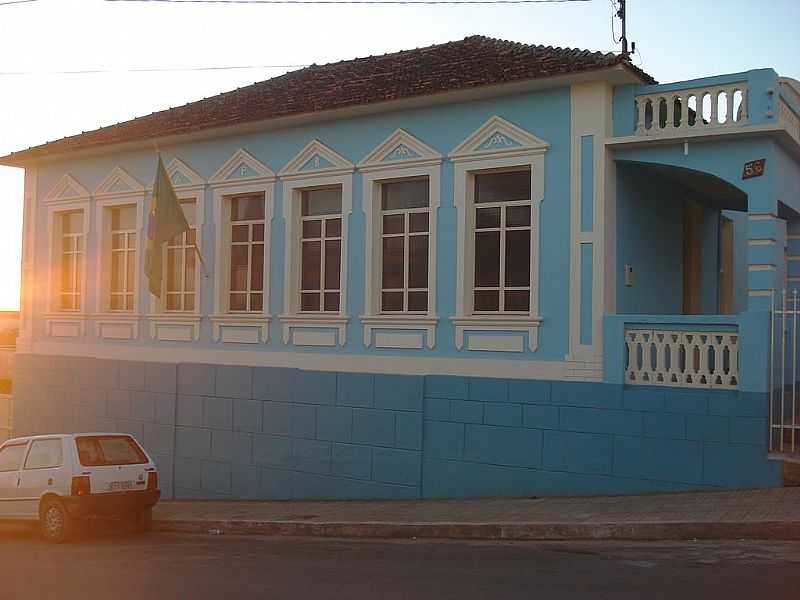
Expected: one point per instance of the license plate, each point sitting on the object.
(118, 486)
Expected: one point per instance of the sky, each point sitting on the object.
(675, 39)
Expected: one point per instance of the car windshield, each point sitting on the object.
(104, 450)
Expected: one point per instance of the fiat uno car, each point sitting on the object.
(61, 480)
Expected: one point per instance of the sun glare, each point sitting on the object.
(11, 191)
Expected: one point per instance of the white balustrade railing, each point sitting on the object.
(790, 120)
(704, 359)
(691, 110)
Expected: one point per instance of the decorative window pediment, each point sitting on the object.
(317, 159)
(495, 136)
(400, 149)
(67, 189)
(241, 168)
(182, 175)
(119, 183)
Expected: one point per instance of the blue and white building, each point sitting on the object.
(479, 268)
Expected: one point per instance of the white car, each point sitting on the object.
(62, 479)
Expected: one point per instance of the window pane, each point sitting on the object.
(518, 258)
(327, 201)
(173, 302)
(123, 218)
(518, 216)
(418, 222)
(397, 195)
(518, 300)
(487, 258)
(68, 244)
(238, 301)
(174, 269)
(332, 264)
(256, 302)
(117, 241)
(312, 229)
(72, 222)
(67, 275)
(11, 457)
(79, 271)
(117, 270)
(258, 232)
(333, 228)
(418, 301)
(393, 262)
(247, 208)
(188, 302)
(311, 265)
(191, 237)
(487, 300)
(309, 301)
(117, 302)
(394, 223)
(487, 217)
(67, 302)
(131, 240)
(418, 261)
(240, 233)
(332, 301)
(257, 273)
(239, 264)
(188, 283)
(128, 302)
(392, 301)
(79, 243)
(502, 187)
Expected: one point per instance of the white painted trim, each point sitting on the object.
(60, 191)
(179, 168)
(54, 255)
(294, 168)
(160, 323)
(241, 321)
(221, 192)
(241, 157)
(468, 160)
(331, 361)
(313, 338)
(525, 324)
(502, 137)
(65, 324)
(27, 279)
(755, 267)
(402, 341)
(292, 317)
(371, 198)
(102, 259)
(116, 326)
(119, 176)
(496, 343)
(380, 158)
(400, 321)
(764, 242)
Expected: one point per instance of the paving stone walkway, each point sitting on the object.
(773, 513)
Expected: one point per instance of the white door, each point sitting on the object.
(11, 456)
(41, 473)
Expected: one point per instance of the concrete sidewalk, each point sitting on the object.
(751, 514)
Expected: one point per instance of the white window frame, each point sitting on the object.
(181, 326)
(298, 176)
(241, 174)
(496, 146)
(386, 164)
(117, 190)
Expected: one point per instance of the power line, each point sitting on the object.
(151, 70)
(352, 1)
(17, 2)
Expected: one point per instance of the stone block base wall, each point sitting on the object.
(259, 432)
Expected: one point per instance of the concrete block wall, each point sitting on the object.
(242, 432)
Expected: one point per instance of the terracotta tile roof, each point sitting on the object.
(469, 63)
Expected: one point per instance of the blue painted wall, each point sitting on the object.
(239, 432)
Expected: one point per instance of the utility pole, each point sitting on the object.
(621, 14)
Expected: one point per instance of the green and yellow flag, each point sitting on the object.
(165, 221)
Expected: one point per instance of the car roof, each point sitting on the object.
(63, 436)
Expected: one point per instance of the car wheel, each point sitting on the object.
(56, 524)
(142, 520)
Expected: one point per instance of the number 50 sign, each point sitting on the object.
(754, 168)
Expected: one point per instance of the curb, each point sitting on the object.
(650, 531)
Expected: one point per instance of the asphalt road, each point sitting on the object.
(111, 565)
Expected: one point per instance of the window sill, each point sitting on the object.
(335, 323)
(117, 325)
(65, 323)
(175, 326)
(419, 323)
(497, 323)
(241, 328)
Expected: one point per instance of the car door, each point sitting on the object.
(11, 455)
(41, 472)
